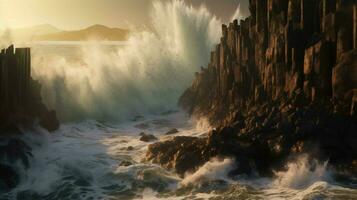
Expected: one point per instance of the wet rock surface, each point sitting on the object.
(181, 154)
(280, 83)
(14, 154)
(147, 137)
(172, 131)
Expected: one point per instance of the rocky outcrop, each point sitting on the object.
(21, 107)
(282, 48)
(281, 82)
(20, 95)
(181, 154)
(147, 137)
(14, 154)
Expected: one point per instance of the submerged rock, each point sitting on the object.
(125, 163)
(172, 131)
(9, 178)
(147, 137)
(14, 154)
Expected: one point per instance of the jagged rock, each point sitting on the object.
(172, 131)
(20, 95)
(182, 153)
(280, 83)
(147, 137)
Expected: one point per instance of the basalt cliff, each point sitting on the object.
(281, 83)
(20, 95)
(21, 109)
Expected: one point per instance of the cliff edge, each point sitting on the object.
(20, 95)
(281, 83)
(21, 108)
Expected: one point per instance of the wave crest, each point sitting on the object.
(144, 76)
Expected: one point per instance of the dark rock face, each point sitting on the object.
(280, 83)
(12, 150)
(20, 106)
(8, 178)
(20, 95)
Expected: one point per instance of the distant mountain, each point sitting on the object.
(98, 32)
(29, 33)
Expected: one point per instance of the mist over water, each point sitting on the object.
(146, 75)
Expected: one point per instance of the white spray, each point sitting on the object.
(145, 76)
(301, 173)
(215, 169)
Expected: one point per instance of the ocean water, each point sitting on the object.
(83, 161)
(106, 93)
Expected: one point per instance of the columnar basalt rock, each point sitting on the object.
(281, 82)
(294, 45)
(20, 95)
(21, 107)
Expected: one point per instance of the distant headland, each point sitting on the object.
(48, 32)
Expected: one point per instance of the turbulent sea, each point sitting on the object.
(107, 93)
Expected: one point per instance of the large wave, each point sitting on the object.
(147, 75)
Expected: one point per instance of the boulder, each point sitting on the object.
(183, 154)
(172, 131)
(147, 137)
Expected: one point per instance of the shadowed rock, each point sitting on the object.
(147, 137)
(172, 131)
(281, 82)
(20, 95)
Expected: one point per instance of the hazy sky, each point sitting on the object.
(76, 14)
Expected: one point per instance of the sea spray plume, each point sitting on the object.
(215, 169)
(237, 14)
(301, 173)
(145, 76)
(6, 39)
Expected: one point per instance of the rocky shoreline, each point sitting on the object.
(21, 109)
(281, 83)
